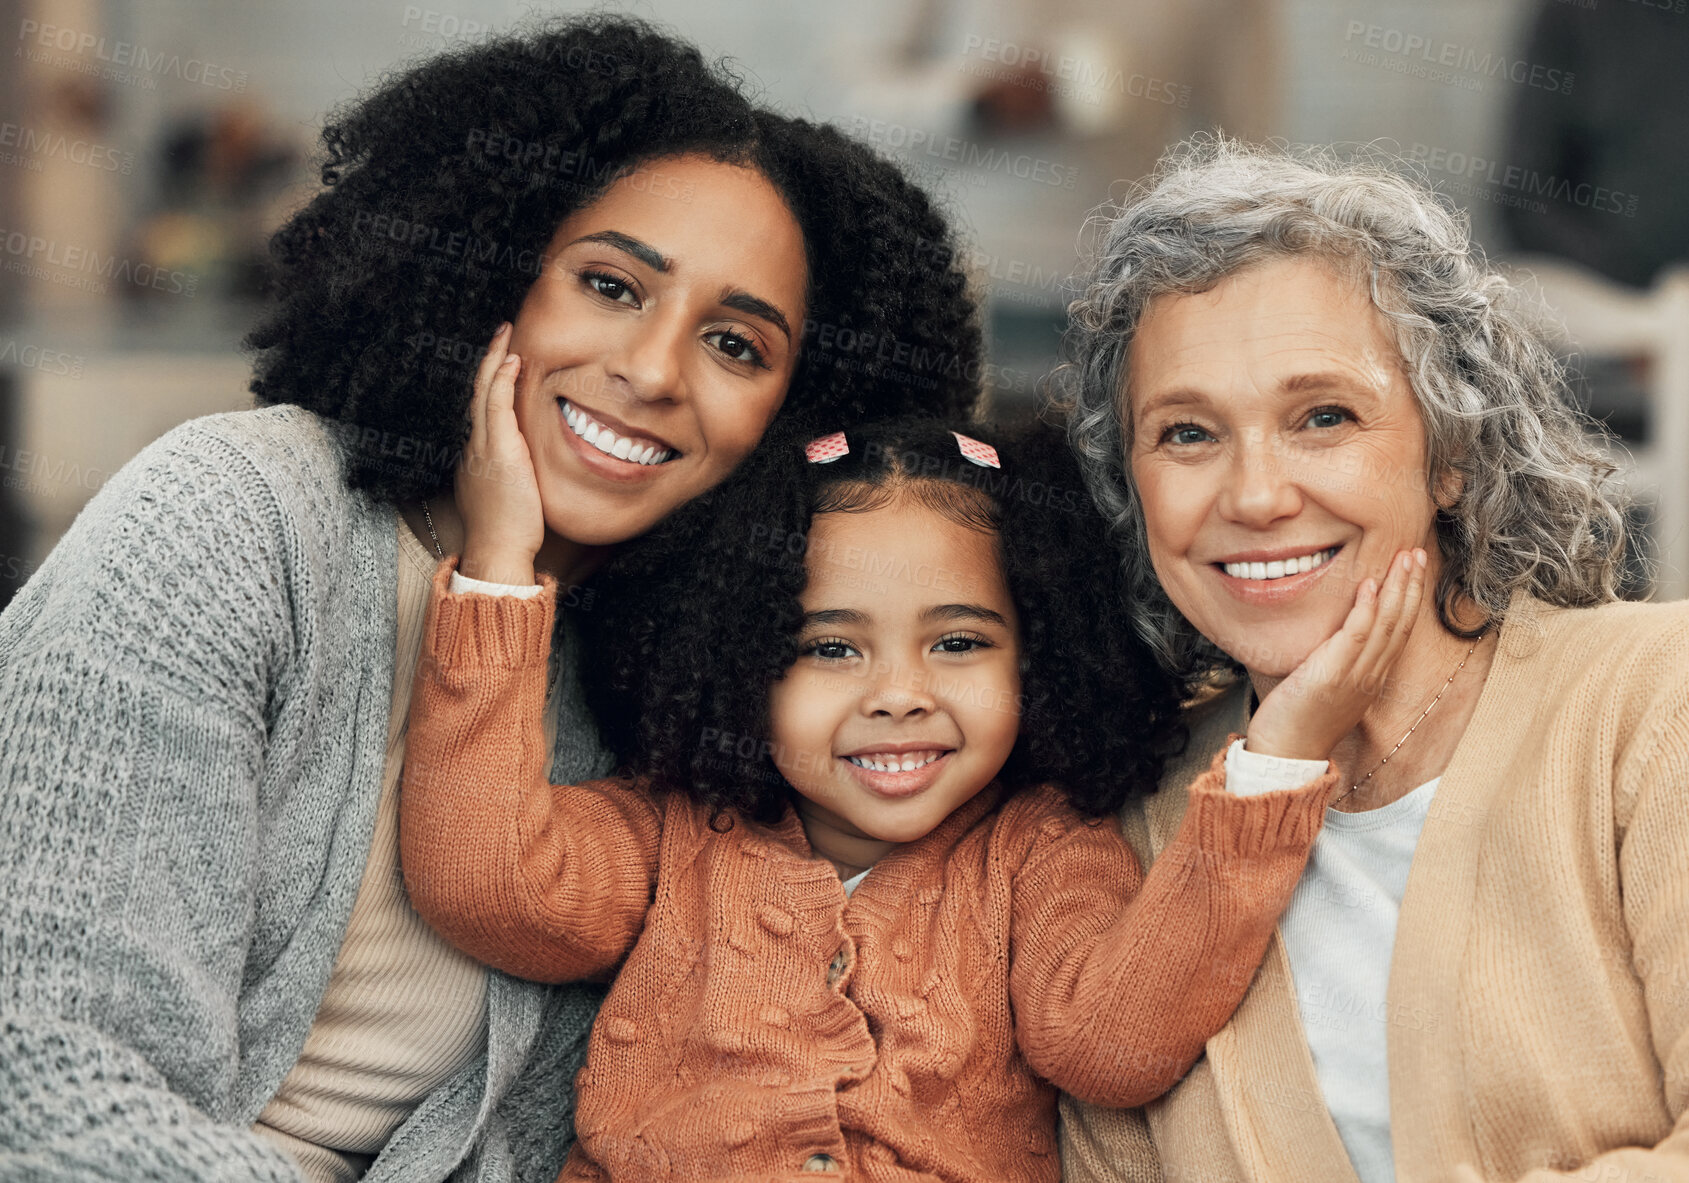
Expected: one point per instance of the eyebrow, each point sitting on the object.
(1323, 380)
(1182, 396)
(964, 612)
(1309, 383)
(937, 612)
(643, 251)
(739, 301)
(835, 616)
(756, 306)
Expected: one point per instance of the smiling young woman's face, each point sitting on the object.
(657, 343)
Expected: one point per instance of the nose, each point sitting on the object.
(648, 358)
(1261, 487)
(894, 692)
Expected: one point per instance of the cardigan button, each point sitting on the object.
(620, 1030)
(738, 1133)
(836, 967)
(776, 920)
(820, 1162)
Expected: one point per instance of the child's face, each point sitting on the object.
(910, 656)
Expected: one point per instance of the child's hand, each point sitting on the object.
(1324, 698)
(497, 494)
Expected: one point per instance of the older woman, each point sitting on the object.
(209, 969)
(1286, 370)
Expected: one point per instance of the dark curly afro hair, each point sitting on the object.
(701, 617)
(444, 186)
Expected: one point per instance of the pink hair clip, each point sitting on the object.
(825, 449)
(983, 455)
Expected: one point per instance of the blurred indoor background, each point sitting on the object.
(148, 147)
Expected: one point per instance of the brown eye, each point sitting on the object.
(737, 348)
(830, 650)
(609, 287)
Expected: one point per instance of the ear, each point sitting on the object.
(1447, 488)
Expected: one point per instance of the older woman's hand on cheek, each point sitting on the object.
(1325, 696)
(497, 493)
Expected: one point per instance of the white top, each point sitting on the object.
(1339, 931)
(462, 585)
(855, 881)
(404, 1011)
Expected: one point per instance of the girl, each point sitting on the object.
(859, 927)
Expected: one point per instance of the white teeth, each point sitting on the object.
(1279, 568)
(892, 763)
(608, 442)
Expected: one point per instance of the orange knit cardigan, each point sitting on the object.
(763, 1025)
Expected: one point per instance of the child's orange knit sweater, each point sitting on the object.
(764, 1026)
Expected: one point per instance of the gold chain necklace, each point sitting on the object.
(1346, 792)
(428, 519)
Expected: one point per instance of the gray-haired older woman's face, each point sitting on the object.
(1278, 454)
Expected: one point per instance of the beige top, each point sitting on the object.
(1538, 1006)
(404, 1010)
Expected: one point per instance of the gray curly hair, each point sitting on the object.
(1539, 509)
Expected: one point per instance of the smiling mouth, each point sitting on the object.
(621, 447)
(896, 761)
(1280, 568)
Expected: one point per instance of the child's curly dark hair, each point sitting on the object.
(446, 184)
(699, 619)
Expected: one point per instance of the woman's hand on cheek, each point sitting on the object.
(497, 494)
(1324, 698)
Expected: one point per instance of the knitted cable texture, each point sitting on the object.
(761, 1025)
(194, 691)
(1538, 1003)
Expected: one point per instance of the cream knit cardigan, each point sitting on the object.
(1539, 989)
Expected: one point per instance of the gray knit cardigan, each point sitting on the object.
(194, 698)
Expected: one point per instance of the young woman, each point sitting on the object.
(208, 969)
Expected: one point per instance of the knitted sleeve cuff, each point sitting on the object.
(1260, 823)
(490, 630)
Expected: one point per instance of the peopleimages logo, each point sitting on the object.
(126, 54)
(77, 265)
(1081, 74)
(1435, 59)
(455, 246)
(953, 150)
(48, 361)
(1527, 182)
(39, 143)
